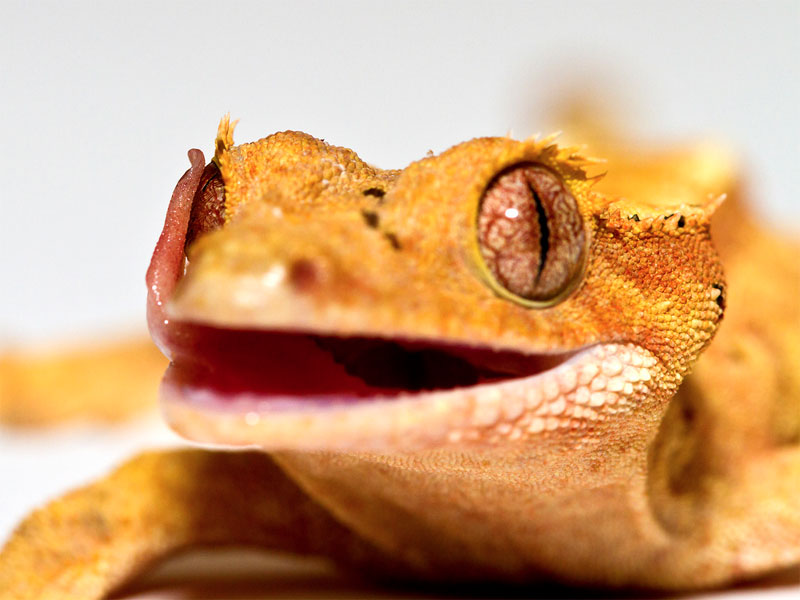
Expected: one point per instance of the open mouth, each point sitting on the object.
(296, 390)
(278, 369)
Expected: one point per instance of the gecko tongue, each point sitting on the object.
(166, 265)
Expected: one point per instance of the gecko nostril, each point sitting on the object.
(303, 275)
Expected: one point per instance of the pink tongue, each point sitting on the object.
(166, 265)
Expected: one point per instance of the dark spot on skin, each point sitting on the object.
(681, 221)
(721, 298)
(374, 191)
(635, 217)
(687, 413)
(371, 218)
(303, 275)
(392, 238)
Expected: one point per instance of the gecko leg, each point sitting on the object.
(89, 541)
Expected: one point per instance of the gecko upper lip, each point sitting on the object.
(267, 364)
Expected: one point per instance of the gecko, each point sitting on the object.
(465, 370)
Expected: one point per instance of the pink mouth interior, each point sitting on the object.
(268, 364)
(279, 364)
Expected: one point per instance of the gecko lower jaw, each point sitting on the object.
(293, 390)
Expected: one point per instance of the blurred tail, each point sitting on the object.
(108, 381)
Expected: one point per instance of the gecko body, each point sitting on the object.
(458, 371)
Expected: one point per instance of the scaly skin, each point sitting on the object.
(727, 455)
(586, 474)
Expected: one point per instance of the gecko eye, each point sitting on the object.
(208, 206)
(530, 235)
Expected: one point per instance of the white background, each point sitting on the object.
(100, 101)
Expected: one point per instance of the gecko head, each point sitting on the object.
(490, 294)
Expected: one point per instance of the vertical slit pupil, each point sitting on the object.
(544, 230)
